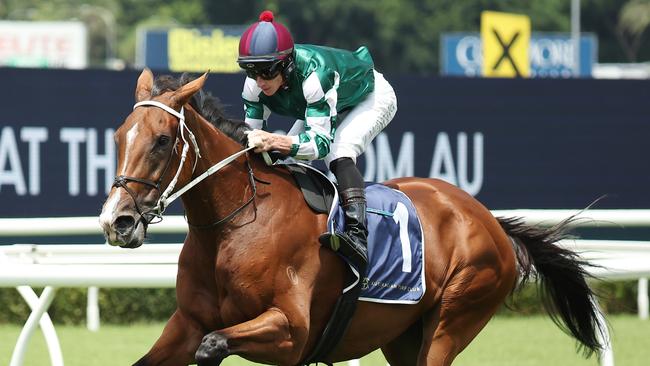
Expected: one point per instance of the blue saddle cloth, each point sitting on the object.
(396, 255)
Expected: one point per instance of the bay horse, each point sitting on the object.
(253, 280)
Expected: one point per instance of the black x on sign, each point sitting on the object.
(506, 39)
(506, 52)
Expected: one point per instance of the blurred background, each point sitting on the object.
(405, 36)
(539, 105)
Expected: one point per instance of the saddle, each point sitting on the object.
(317, 189)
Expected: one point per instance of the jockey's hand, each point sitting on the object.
(260, 140)
(265, 141)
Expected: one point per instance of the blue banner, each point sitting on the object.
(512, 143)
(551, 55)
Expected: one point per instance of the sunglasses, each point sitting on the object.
(264, 72)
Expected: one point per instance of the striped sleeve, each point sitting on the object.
(320, 92)
(255, 113)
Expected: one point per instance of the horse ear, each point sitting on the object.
(145, 83)
(184, 93)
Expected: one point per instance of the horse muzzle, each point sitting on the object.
(125, 232)
(122, 222)
(123, 229)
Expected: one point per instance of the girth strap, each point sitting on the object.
(336, 326)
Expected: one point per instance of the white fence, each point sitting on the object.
(53, 266)
(59, 226)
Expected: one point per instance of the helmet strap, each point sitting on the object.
(287, 70)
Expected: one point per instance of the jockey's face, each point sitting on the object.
(269, 87)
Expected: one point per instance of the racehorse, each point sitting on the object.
(253, 280)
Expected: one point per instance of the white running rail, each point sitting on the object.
(53, 266)
(174, 224)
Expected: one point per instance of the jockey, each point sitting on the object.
(340, 102)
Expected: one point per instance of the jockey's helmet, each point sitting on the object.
(266, 48)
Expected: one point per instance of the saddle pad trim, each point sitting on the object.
(379, 212)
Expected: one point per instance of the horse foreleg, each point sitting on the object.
(266, 338)
(175, 346)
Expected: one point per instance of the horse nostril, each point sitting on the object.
(124, 224)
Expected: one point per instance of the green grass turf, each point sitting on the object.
(519, 341)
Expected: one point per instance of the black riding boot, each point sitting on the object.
(353, 243)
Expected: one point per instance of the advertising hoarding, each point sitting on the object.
(551, 55)
(43, 44)
(512, 143)
(190, 49)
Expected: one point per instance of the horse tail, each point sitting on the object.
(562, 275)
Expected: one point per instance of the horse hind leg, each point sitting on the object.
(468, 303)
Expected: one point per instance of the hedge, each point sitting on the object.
(124, 306)
(116, 306)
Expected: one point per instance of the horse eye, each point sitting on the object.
(163, 140)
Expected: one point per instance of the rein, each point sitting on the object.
(165, 199)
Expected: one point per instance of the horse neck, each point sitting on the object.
(223, 192)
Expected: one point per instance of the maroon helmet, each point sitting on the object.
(265, 48)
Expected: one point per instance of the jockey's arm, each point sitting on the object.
(255, 113)
(267, 141)
(309, 145)
(319, 91)
(314, 142)
(256, 116)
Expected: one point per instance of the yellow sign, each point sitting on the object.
(190, 50)
(506, 39)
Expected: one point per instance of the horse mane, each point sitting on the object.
(209, 106)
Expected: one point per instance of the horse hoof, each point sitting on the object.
(213, 349)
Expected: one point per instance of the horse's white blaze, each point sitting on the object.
(130, 138)
(108, 212)
(107, 216)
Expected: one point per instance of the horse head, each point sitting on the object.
(149, 160)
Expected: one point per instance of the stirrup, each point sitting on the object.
(330, 240)
(341, 243)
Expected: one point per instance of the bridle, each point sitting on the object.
(166, 197)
